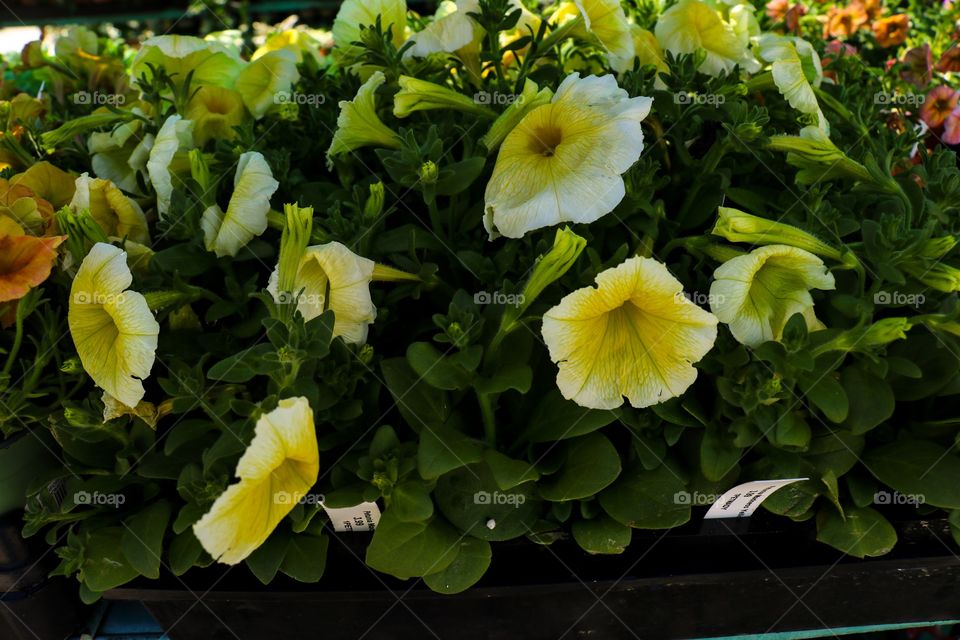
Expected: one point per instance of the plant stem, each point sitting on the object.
(489, 424)
(17, 341)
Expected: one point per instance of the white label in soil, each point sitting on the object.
(743, 499)
(363, 517)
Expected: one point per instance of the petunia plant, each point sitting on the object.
(506, 271)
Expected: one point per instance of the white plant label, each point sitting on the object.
(742, 500)
(362, 517)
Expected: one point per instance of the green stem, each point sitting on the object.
(17, 341)
(489, 425)
(834, 105)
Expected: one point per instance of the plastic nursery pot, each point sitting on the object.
(691, 582)
(19, 456)
(31, 605)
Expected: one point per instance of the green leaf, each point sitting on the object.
(557, 419)
(871, 399)
(411, 501)
(265, 561)
(185, 551)
(646, 499)
(470, 499)
(105, 566)
(469, 566)
(827, 394)
(418, 402)
(142, 540)
(306, 557)
(436, 369)
(412, 549)
(508, 472)
(518, 377)
(791, 432)
(591, 463)
(243, 366)
(718, 454)
(444, 449)
(918, 468)
(602, 535)
(864, 532)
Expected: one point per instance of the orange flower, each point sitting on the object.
(25, 262)
(891, 31)
(843, 22)
(938, 104)
(950, 60)
(873, 8)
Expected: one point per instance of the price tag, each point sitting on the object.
(363, 517)
(742, 500)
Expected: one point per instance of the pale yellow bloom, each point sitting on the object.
(117, 215)
(48, 182)
(451, 29)
(275, 473)
(356, 13)
(563, 161)
(300, 41)
(180, 56)
(263, 80)
(756, 294)
(692, 25)
(650, 53)
(796, 71)
(215, 112)
(358, 124)
(634, 335)
(246, 216)
(605, 22)
(119, 155)
(332, 277)
(173, 140)
(113, 329)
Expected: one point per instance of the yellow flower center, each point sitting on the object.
(545, 139)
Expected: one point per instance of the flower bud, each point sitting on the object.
(817, 157)
(420, 95)
(739, 226)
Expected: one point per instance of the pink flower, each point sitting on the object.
(917, 66)
(951, 128)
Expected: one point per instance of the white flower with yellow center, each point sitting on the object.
(332, 277)
(634, 335)
(563, 162)
(113, 329)
(692, 25)
(275, 473)
(246, 216)
(756, 294)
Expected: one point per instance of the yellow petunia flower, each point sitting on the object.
(796, 71)
(48, 182)
(358, 124)
(356, 13)
(263, 80)
(119, 155)
(693, 25)
(563, 161)
(634, 335)
(246, 216)
(171, 144)
(332, 277)
(299, 41)
(604, 22)
(113, 328)
(21, 205)
(215, 112)
(650, 53)
(180, 56)
(756, 294)
(117, 215)
(452, 29)
(276, 471)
